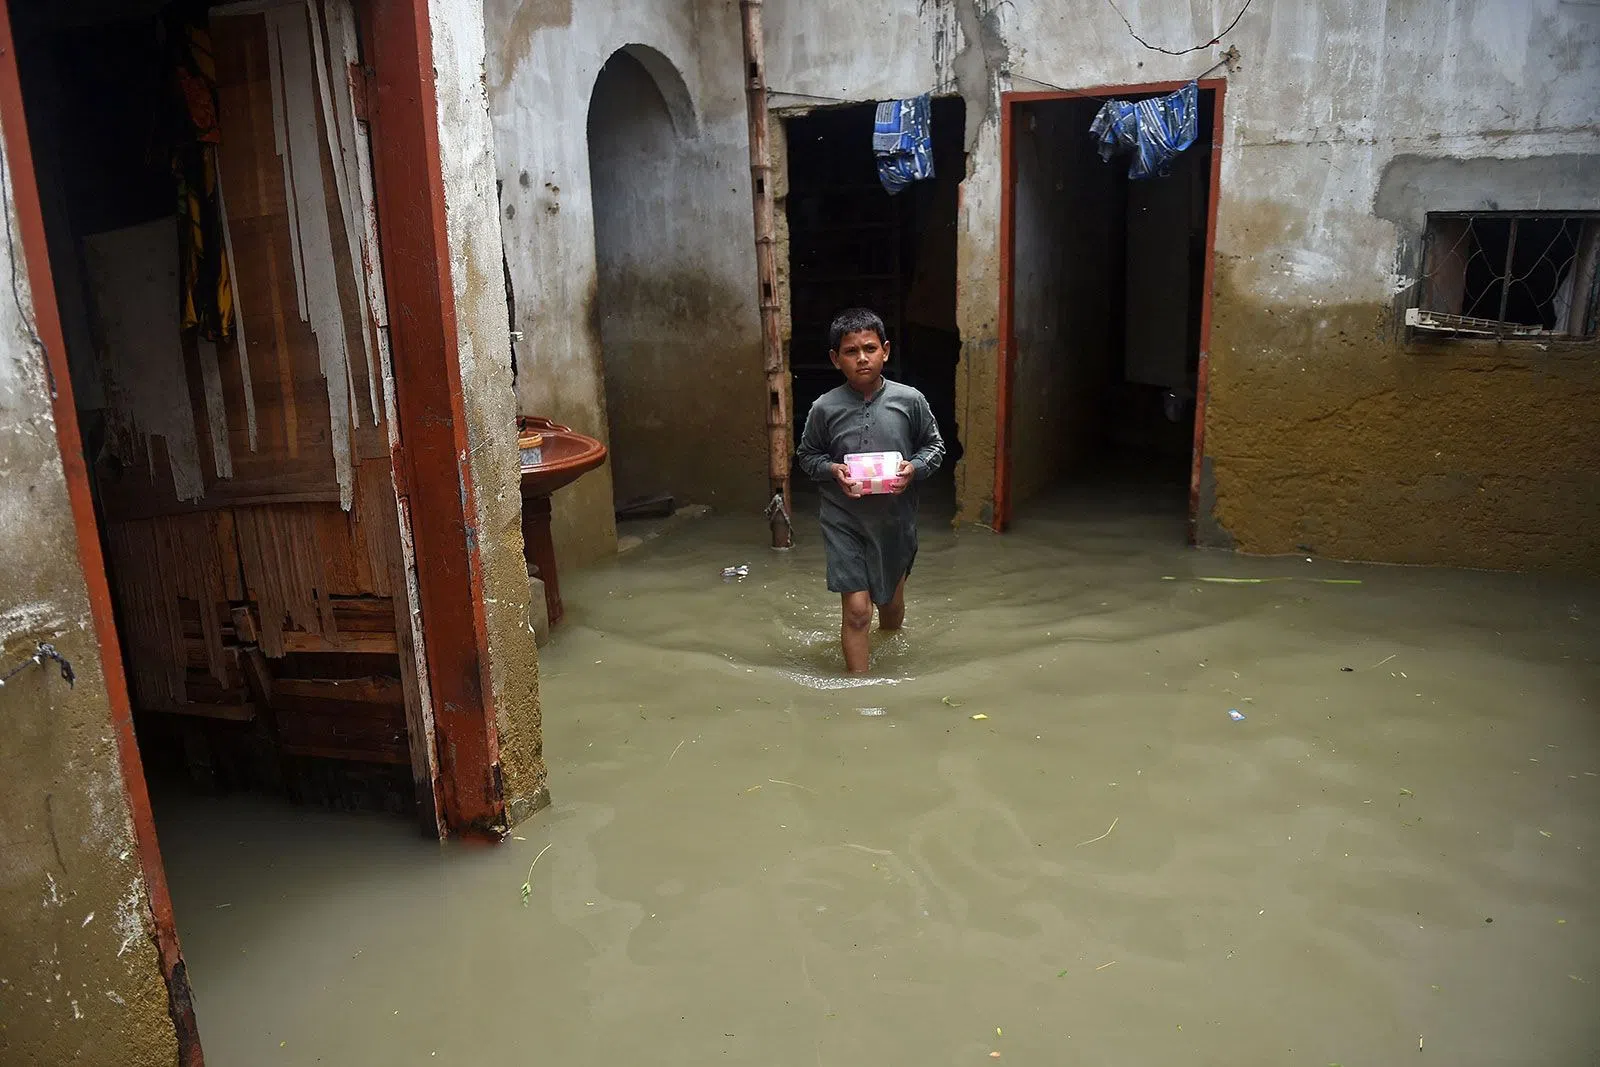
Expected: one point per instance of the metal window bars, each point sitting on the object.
(1509, 276)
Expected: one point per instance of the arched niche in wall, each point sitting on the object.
(648, 177)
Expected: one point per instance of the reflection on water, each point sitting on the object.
(753, 859)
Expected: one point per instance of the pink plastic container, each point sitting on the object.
(875, 471)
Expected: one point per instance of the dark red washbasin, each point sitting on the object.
(567, 455)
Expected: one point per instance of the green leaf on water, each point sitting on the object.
(527, 891)
(1061, 974)
(1407, 793)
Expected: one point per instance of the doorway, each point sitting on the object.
(214, 457)
(1105, 309)
(226, 364)
(853, 244)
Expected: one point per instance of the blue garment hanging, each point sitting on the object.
(903, 143)
(1153, 130)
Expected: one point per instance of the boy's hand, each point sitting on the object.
(841, 474)
(903, 477)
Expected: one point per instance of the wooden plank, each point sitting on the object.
(364, 614)
(298, 641)
(381, 523)
(245, 712)
(395, 756)
(372, 690)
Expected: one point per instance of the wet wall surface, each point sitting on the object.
(1037, 830)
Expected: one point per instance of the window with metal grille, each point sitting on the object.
(1508, 275)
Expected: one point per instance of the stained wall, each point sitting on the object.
(677, 331)
(80, 980)
(1327, 429)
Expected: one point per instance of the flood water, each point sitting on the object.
(1037, 831)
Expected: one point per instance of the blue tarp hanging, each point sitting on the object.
(1153, 130)
(903, 143)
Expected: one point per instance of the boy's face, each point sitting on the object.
(860, 357)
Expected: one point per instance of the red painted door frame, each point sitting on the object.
(47, 324)
(432, 465)
(1008, 248)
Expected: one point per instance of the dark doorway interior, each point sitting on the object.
(1109, 278)
(261, 605)
(852, 244)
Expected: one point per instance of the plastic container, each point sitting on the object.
(874, 471)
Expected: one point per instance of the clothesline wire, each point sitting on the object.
(1168, 51)
(1224, 61)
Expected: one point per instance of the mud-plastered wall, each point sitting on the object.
(674, 325)
(80, 980)
(484, 349)
(1327, 429)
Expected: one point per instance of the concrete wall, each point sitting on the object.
(1326, 432)
(543, 60)
(670, 332)
(484, 348)
(80, 981)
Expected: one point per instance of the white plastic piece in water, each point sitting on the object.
(1236, 715)
(873, 711)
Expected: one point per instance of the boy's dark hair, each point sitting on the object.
(854, 320)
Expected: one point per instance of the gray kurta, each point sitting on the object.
(871, 542)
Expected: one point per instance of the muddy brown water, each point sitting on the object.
(752, 860)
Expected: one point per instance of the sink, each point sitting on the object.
(563, 455)
(552, 457)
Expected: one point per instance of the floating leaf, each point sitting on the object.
(1407, 793)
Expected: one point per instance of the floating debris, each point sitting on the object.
(736, 574)
(1102, 837)
(527, 886)
(1236, 715)
(1260, 581)
(979, 717)
(947, 702)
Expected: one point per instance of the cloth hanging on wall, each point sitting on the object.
(207, 288)
(1154, 130)
(903, 142)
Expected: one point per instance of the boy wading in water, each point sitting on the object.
(871, 541)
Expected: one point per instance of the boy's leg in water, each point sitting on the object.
(855, 630)
(892, 616)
